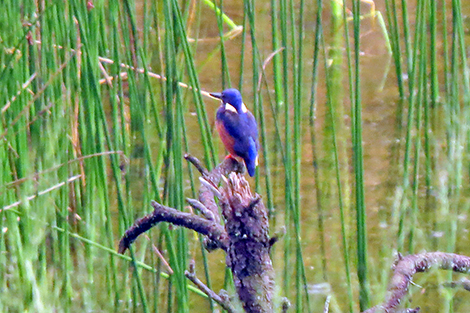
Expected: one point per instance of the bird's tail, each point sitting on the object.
(252, 160)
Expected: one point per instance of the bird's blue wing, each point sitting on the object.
(251, 161)
(244, 131)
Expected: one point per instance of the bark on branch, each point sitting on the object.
(249, 244)
(244, 235)
(163, 213)
(406, 267)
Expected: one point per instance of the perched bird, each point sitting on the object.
(237, 128)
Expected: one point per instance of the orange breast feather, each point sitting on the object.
(226, 138)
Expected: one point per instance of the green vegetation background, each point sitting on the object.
(95, 122)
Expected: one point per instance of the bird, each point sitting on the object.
(237, 128)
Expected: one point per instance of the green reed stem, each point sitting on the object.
(346, 255)
(225, 75)
(362, 271)
(206, 136)
(219, 12)
(287, 140)
(297, 45)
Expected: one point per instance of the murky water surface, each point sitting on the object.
(384, 132)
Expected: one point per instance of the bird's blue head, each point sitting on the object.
(231, 98)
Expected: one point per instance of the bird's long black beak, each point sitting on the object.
(216, 95)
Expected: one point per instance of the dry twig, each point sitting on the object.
(222, 299)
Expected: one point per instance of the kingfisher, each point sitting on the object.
(237, 128)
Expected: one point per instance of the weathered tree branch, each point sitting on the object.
(244, 235)
(206, 194)
(406, 267)
(201, 208)
(163, 213)
(197, 164)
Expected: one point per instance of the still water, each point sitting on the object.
(384, 133)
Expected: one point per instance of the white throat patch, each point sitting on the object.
(230, 107)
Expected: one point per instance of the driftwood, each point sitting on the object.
(244, 235)
(404, 269)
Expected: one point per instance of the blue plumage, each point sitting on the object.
(237, 128)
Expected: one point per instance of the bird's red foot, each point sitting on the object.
(231, 156)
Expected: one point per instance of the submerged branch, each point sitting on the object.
(406, 267)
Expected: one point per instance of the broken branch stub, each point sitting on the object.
(247, 226)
